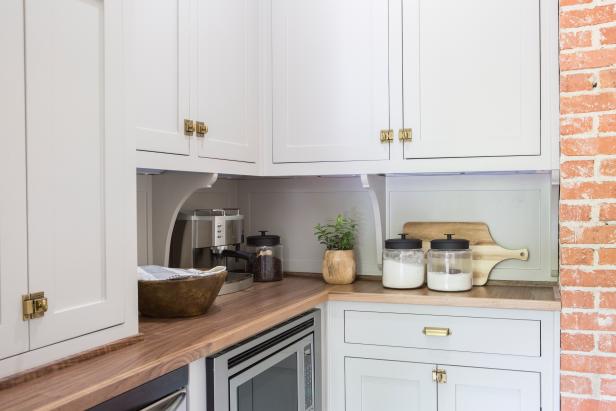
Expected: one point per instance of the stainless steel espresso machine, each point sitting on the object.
(205, 238)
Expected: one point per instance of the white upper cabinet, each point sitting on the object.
(471, 78)
(195, 61)
(80, 173)
(330, 80)
(481, 389)
(159, 75)
(13, 237)
(226, 86)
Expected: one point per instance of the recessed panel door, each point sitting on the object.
(80, 169)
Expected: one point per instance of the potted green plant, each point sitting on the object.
(338, 237)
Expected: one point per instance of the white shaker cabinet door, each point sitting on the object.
(480, 389)
(471, 78)
(80, 168)
(330, 80)
(226, 78)
(159, 74)
(13, 226)
(380, 385)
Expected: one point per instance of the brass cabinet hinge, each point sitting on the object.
(405, 134)
(189, 127)
(202, 128)
(387, 136)
(34, 305)
(439, 376)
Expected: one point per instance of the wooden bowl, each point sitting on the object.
(179, 298)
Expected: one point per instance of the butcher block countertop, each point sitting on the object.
(169, 344)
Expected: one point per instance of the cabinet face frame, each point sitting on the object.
(13, 224)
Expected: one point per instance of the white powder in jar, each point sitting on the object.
(441, 281)
(402, 275)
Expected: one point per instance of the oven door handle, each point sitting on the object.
(169, 403)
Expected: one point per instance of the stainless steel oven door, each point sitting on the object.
(283, 381)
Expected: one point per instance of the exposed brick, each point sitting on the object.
(607, 212)
(575, 125)
(575, 39)
(607, 343)
(588, 146)
(577, 299)
(608, 35)
(603, 234)
(588, 321)
(573, 2)
(587, 103)
(608, 386)
(587, 278)
(587, 17)
(575, 385)
(607, 78)
(585, 404)
(588, 364)
(607, 123)
(608, 167)
(569, 212)
(577, 168)
(607, 256)
(588, 190)
(607, 300)
(576, 256)
(576, 82)
(577, 342)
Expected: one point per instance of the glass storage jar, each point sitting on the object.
(403, 263)
(266, 253)
(450, 264)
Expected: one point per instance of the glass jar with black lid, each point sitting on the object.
(267, 256)
(450, 264)
(403, 263)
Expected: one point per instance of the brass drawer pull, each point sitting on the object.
(436, 332)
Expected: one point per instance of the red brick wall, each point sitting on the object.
(588, 204)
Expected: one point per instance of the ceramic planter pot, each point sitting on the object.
(339, 266)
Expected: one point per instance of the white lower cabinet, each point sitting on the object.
(378, 385)
(484, 389)
(443, 358)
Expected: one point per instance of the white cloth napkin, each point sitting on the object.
(158, 273)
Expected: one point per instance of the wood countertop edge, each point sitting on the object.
(451, 301)
(139, 375)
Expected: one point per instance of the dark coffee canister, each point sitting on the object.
(267, 260)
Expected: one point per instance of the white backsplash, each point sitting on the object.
(518, 208)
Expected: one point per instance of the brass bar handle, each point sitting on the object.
(436, 332)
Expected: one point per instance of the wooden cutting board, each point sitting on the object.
(486, 253)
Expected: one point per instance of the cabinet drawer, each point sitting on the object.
(470, 334)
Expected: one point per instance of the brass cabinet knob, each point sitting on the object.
(189, 127)
(202, 129)
(387, 136)
(405, 134)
